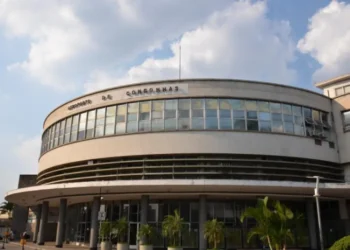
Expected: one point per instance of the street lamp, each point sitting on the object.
(317, 196)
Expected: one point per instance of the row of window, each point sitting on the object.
(187, 114)
(346, 120)
(342, 90)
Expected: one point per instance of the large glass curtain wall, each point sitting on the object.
(188, 114)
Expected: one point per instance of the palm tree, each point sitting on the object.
(172, 227)
(6, 207)
(272, 225)
(214, 232)
(145, 233)
(341, 244)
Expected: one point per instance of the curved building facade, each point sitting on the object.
(208, 147)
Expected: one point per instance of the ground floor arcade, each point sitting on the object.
(79, 223)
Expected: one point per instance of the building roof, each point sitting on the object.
(331, 81)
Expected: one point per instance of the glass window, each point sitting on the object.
(298, 129)
(132, 127)
(144, 125)
(297, 111)
(277, 126)
(120, 128)
(238, 114)
(324, 117)
(265, 126)
(287, 118)
(315, 115)
(157, 124)
(158, 105)
(132, 117)
(346, 118)
(223, 113)
(225, 104)
(170, 121)
(239, 124)
(68, 130)
(238, 104)
(211, 104)
(121, 119)
(287, 109)
(184, 113)
(298, 120)
(276, 116)
(74, 132)
(252, 115)
(225, 123)
(184, 124)
(275, 107)
(197, 123)
(250, 105)
(91, 124)
(197, 104)
(184, 104)
(170, 124)
(61, 135)
(57, 131)
(307, 113)
(264, 116)
(211, 113)
(339, 91)
(145, 108)
(110, 120)
(252, 125)
(289, 128)
(100, 122)
(82, 126)
(171, 104)
(264, 106)
(347, 89)
(197, 113)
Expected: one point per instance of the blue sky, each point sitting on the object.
(52, 51)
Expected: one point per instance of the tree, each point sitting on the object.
(172, 227)
(6, 207)
(120, 229)
(214, 232)
(341, 244)
(273, 226)
(145, 234)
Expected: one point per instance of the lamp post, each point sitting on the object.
(317, 196)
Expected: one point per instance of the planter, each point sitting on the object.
(106, 245)
(174, 248)
(123, 246)
(146, 247)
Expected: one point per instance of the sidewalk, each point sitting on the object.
(49, 246)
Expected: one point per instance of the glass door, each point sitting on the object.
(132, 236)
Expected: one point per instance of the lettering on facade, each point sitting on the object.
(80, 104)
(150, 91)
(107, 97)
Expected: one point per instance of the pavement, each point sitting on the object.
(48, 246)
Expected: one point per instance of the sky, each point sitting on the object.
(52, 51)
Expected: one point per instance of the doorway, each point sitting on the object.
(132, 235)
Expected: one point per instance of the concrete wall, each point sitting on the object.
(216, 142)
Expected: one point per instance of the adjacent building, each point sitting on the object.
(207, 147)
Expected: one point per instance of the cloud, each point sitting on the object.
(237, 42)
(71, 39)
(328, 39)
(19, 156)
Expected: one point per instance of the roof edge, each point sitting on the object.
(331, 81)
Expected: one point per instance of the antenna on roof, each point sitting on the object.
(180, 60)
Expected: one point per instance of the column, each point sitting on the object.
(60, 224)
(37, 224)
(144, 209)
(311, 219)
(202, 220)
(94, 223)
(43, 222)
(344, 215)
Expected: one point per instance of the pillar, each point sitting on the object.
(60, 224)
(344, 216)
(43, 222)
(37, 224)
(94, 223)
(311, 220)
(202, 220)
(144, 209)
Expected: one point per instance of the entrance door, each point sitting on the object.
(133, 231)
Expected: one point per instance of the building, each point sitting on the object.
(208, 147)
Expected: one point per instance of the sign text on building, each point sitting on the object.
(148, 91)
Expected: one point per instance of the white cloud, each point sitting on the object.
(19, 156)
(238, 42)
(71, 39)
(328, 39)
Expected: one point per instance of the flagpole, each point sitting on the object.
(179, 61)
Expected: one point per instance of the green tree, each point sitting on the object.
(120, 229)
(105, 230)
(172, 227)
(214, 232)
(6, 207)
(273, 226)
(341, 244)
